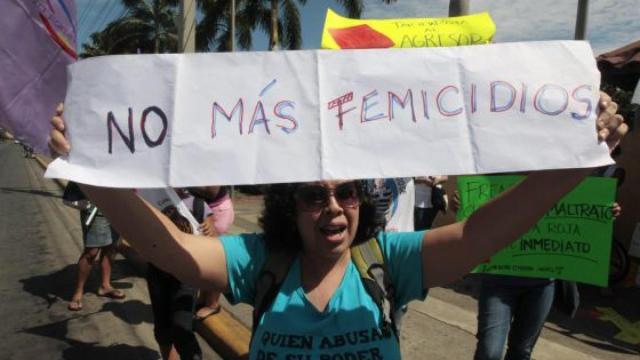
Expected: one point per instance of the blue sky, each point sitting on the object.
(611, 24)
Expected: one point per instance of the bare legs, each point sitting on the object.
(87, 259)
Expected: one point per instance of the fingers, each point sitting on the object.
(604, 96)
(59, 143)
(616, 210)
(57, 140)
(611, 128)
(57, 123)
(608, 116)
(610, 125)
(57, 120)
(607, 105)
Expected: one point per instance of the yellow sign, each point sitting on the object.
(344, 33)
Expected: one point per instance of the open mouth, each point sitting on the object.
(331, 230)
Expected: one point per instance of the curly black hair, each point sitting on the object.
(278, 220)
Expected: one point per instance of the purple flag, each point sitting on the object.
(37, 42)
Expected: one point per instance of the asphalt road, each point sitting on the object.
(40, 241)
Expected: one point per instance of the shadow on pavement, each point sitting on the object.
(133, 312)
(82, 351)
(60, 284)
(618, 327)
(54, 286)
(29, 191)
(79, 350)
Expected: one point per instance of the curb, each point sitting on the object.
(224, 333)
(229, 337)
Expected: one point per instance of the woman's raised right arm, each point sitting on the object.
(196, 260)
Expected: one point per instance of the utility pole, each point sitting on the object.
(581, 20)
(458, 7)
(232, 34)
(274, 40)
(187, 26)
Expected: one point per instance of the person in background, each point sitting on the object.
(512, 310)
(430, 198)
(394, 201)
(172, 301)
(100, 244)
(619, 173)
(218, 223)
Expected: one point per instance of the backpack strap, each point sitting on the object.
(369, 261)
(269, 281)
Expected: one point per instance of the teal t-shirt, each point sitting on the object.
(349, 326)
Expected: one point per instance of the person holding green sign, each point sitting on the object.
(512, 310)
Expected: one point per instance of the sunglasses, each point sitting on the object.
(316, 197)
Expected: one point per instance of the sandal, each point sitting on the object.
(213, 311)
(75, 305)
(113, 294)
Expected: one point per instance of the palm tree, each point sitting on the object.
(96, 46)
(152, 22)
(214, 29)
(285, 24)
(114, 39)
(259, 13)
(150, 25)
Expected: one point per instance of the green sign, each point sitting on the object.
(572, 241)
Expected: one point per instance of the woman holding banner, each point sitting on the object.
(322, 309)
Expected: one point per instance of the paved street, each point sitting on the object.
(40, 242)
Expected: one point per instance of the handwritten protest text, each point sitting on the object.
(451, 100)
(572, 240)
(129, 138)
(283, 112)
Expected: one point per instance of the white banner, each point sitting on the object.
(266, 117)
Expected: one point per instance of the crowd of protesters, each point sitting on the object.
(315, 233)
(319, 225)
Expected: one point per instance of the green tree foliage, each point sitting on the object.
(280, 19)
(148, 27)
(214, 28)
